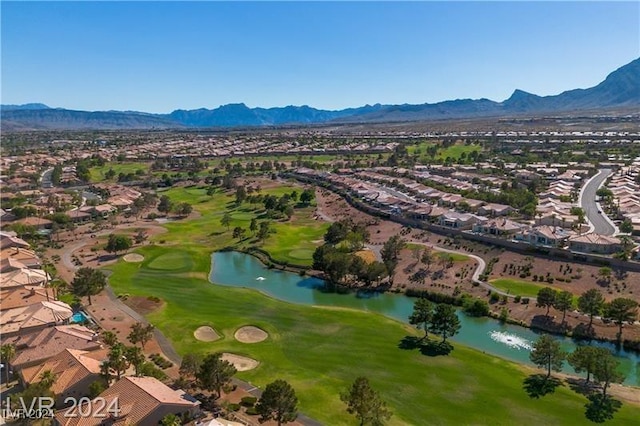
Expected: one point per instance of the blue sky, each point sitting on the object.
(160, 56)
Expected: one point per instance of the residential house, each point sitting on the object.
(133, 401)
(502, 226)
(37, 316)
(552, 236)
(22, 277)
(9, 239)
(455, 220)
(39, 345)
(494, 209)
(74, 372)
(595, 243)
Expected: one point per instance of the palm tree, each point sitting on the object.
(7, 352)
(47, 379)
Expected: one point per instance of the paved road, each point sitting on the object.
(600, 223)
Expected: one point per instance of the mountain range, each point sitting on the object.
(620, 89)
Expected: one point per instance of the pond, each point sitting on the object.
(485, 334)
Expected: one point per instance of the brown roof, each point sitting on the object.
(22, 277)
(39, 314)
(69, 366)
(596, 239)
(8, 240)
(140, 401)
(40, 345)
(16, 297)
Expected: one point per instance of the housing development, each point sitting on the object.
(99, 228)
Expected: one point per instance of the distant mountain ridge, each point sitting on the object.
(621, 88)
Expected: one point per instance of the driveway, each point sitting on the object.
(600, 223)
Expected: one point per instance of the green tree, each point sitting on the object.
(626, 226)
(134, 357)
(241, 194)
(365, 403)
(563, 302)
(238, 232)
(97, 387)
(118, 243)
(546, 298)
(606, 371)
(140, 333)
(336, 232)
(390, 253)
(253, 226)
(621, 310)
(547, 354)
(278, 402)
(445, 321)
(584, 359)
(214, 373)
(117, 360)
(422, 315)
(591, 303)
(264, 230)
(7, 354)
(307, 196)
(190, 364)
(170, 420)
(183, 209)
(88, 282)
(165, 205)
(109, 338)
(226, 220)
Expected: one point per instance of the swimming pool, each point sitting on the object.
(79, 317)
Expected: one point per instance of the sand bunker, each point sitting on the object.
(250, 334)
(241, 363)
(206, 334)
(133, 258)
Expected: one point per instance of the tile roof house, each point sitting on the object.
(74, 371)
(26, 257)
(500, 226)
(553, 236)
(8, 239)
(35, 347)
(16, 297)
(22, 277)
(595, 243)
(33, 317)
(452, 219)
(133, 401)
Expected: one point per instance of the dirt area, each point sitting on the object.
(206, 334)
(142, 305)
(458, 277)
(241, 363)
(250, 334)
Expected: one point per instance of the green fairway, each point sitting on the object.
(98, 173)
(454, 151)
(292, 241)
(518, 287)
(456, 257)
(320, 351)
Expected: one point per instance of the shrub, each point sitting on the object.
(504, 315)
(494, 297)
(525, 301)
(517, 299)
(476, 307)
(233, 407)
(252, 411)
(248, 401)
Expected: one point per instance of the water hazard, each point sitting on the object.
(485, 334)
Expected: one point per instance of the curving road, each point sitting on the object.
(600, 223)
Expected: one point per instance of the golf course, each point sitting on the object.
(321, 350)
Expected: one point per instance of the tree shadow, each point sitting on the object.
(582, 331)
(431, 348)
(538, 385)
(581, 386)
(410, 342)
(601, 408)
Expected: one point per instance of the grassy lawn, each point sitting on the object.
(97, 173)
(320, 351)
(523, 288)
(453, 151)
(292, 241)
